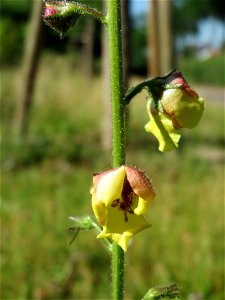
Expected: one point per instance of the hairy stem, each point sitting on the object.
(153, 85)
(116, 81)
(118, 126)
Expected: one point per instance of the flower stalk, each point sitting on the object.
(121, 196)
(118, 126)
(152, 85)
(116, 82)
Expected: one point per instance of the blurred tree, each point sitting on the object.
(181, 17)
(166, 41)
(84, 42)
(160, 37)
(125, 19)
(187, 13)
(90, 37)
(30, 63)
(153, 39)
(138, 47)
(88, 47)
(106, 137)
(125, 24)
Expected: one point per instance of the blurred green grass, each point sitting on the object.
(48, 178)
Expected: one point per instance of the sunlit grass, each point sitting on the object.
(49, 178)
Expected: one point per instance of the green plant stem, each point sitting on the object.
(116, 81)
(133, 91)
(118, 126)
(153, 85)
(88, 11)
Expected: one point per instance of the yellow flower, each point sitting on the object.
(120, 197)
(161, 126)
(178, 107)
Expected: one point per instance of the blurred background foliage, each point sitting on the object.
(46, 177)
(186, 17)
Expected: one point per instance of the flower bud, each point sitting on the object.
(174, 106)
(60, 15)
(50, 10)
(120, 197)
(181, 103)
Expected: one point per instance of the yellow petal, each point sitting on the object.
(110, 186)
(119, 230)
(100, 211)
(162, 128)
(142, 206)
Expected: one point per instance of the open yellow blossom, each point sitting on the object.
(120, 197)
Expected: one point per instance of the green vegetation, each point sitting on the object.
(208, 71)
(47, 179)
